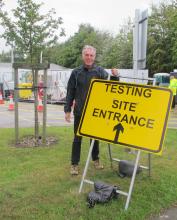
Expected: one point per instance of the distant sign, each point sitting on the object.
(129, 114)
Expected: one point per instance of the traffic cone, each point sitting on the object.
(40, 105)
(1, 99)
(11, 103)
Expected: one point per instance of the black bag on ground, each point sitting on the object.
(103, 193)
(126, 168)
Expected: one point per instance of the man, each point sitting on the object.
(77, 89)
(173, 87)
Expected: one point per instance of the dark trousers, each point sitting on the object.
(76, 146)
(173, 102)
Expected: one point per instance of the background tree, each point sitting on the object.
(119, 52)
(5, 57)
(162, 35)
(111, 52)
(68, 54)
(173, 32)
(29, 32)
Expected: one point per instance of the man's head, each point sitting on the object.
(88, 55)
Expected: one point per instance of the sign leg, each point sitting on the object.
(86, 165)
(149, 164)
(132, 180)
(110, 154)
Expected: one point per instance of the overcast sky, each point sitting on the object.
(105, 15)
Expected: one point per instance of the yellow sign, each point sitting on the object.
(129, 114)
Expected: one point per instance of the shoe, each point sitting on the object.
(74, 170)
(97, 165)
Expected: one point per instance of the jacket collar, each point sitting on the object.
(85, 68)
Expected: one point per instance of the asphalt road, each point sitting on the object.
(170, 214)
(55, 116)
(172, 122)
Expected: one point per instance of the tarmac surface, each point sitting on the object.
(172, 121)
(170, 214)
(55, 117)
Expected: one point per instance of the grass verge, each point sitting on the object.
(35, 182)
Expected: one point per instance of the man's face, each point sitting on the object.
(88, 57)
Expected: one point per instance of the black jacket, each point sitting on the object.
(78, 86)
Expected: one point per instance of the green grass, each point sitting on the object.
(35, 182)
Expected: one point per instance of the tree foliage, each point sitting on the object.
(69, 53)
(30, 32)
(111, 52)
(162, 38)
(119, 52)
(5, 57)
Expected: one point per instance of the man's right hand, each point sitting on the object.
(68, 116)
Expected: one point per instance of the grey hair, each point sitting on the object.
(88, 47)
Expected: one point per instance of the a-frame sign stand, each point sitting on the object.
(128, 194)
(101, 113)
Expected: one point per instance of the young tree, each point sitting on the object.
(29, 32)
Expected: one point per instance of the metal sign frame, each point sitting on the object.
(129, 193)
